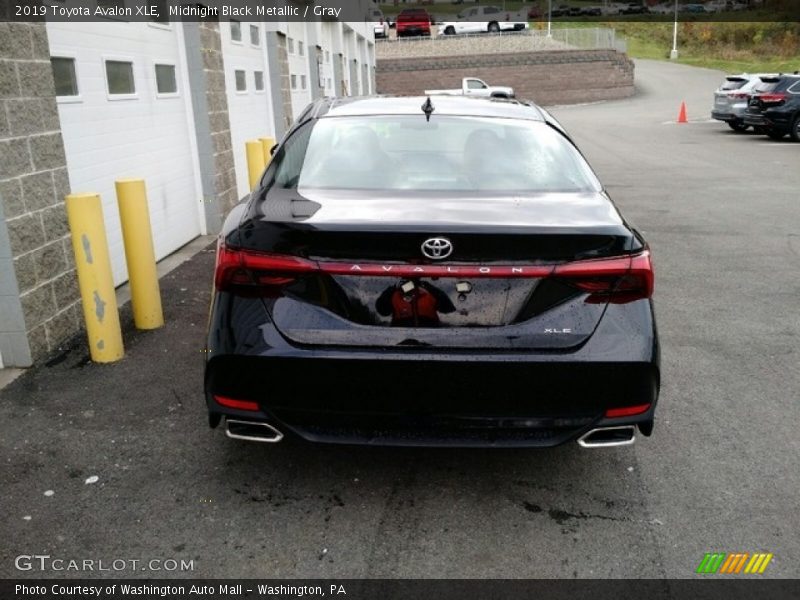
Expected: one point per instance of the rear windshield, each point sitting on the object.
(413, 13)
(732, 84)
(448, 154)
(767, 86)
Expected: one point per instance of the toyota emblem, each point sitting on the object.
(437, 248)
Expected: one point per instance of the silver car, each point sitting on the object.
(730, 100)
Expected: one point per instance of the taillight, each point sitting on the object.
(251, 273)
(739, 96)
(627, 411)
(617, 280)
(237, 404)
(776, 98)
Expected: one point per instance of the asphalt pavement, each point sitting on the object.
(719, 474)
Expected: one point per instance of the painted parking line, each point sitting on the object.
(691, 122)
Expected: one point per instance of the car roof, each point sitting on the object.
(412, 105)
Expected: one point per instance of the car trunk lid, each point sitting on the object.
(367, 281)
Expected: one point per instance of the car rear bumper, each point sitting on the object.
(771, 119)
(728, 117)
(404, 31)
(423, 402)
(431, 396)
(756, 120)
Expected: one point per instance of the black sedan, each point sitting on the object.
(441, 271)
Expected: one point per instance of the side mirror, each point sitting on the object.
(273, 150)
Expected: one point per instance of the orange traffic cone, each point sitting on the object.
(682, 115)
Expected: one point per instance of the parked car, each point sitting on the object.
(590, 11)
(413, 22)
(635, 8)
(481, 19)
(665, 8)
(775, 106)
(693, 8)
(379, 23)
(613, 8)
(731, 98)
(439, 271)
(472, 86)
(562, 10)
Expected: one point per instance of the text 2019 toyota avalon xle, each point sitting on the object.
(434, 272)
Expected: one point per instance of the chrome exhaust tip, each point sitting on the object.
(604, 437)
(252, 431)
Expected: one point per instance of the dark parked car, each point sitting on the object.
(590, 11)
(441, 271)
(775, 107)
(413, 22)
(561, 11)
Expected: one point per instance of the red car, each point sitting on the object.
(413, 21)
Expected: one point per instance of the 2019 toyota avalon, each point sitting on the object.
(431, 271)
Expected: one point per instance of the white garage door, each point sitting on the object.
(125, 112)
(244, 56)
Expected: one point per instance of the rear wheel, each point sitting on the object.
(775, 135)
(494, 27)
(450, 30)
(795, 133)
(737, 126)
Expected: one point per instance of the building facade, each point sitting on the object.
(85, 104)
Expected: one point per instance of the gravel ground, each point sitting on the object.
(462, 45)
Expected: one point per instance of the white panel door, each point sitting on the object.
(121, 119)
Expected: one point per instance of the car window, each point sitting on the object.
(289, 159)
(732, 84)
(750, 85)
(766, 86)
(474, 84)
(448, 153)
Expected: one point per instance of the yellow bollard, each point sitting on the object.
(266, 144)
(255, 161)
(89, 243)
(140, 257)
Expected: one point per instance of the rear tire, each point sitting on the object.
(450, 30)
(775, 135)
(494, 27)
(737, 126)
(795, 133)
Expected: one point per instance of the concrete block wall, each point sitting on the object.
(546, 77)
(285, 81)
(219, 120)
(33, 183)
